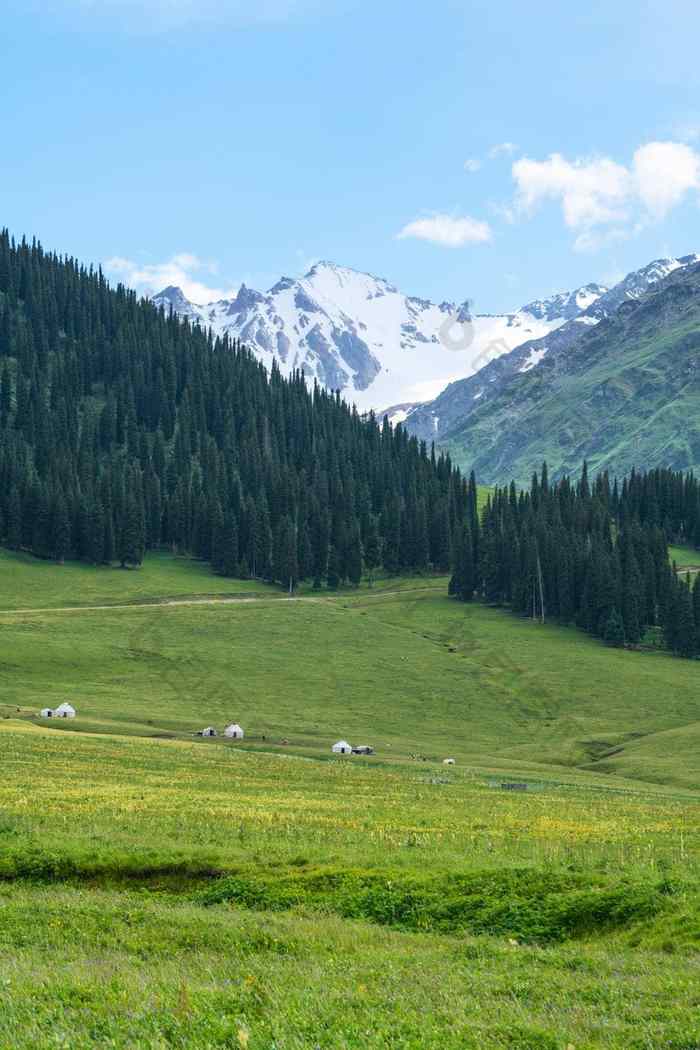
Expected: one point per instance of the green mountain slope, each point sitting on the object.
(626, 395)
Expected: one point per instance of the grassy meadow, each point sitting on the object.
(687, 559)
(158, 889)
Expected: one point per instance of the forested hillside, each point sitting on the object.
(594, 555)
(123, 429)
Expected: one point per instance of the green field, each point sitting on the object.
(686, 558)
(162, 890)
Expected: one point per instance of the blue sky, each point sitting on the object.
(481, 150)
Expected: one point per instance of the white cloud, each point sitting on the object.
(448, 230)
(472, 164)
(590, 192)
(183, 270)
(602, 200)
(593, 240)
(502, 149)
(664, 173)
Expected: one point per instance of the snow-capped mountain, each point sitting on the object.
(437, 418)
(361, 335)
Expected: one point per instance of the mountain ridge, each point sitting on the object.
(358, 333)
(454, 405)
(623, 395)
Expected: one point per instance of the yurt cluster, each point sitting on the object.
(343, 748)
(232, 731)
(62, 711)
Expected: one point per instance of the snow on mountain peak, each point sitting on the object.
(358, 333)
(565, 305)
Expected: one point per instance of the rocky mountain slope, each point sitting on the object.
(450, 411)
(361, 335)
(619, 386)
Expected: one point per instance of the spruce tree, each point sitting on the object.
(354, 556)
(286, 566)
(372, 549)
(132, 538)
(333, 578)
(614, 629)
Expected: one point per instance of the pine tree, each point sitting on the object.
(632, 596)
(685, 624)
(96, 533)
(286, 567)
(462, 583)
(354, 556)
(132, 538)
(372, 549)
(14, 520)
(333, 577)
(614, 629)
(228, 552)
(60, 529)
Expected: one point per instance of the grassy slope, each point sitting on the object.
(407, 672)
(27, 582)
(101, 817)
(623, 397)
(686, 558)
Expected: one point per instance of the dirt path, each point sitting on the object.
(242, 600)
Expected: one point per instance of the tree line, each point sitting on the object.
(123, 430)
(591, 554)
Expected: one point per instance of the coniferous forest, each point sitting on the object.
(124, 430)
(591, 555)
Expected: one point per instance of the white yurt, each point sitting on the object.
(64, 711)
(448, 761)
(209, 731)
(234, 731)
(46, 712)
(341, 748)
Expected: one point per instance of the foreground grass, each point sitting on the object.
(170, 894)
(160, 972)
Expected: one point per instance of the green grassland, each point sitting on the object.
(27, 582)
(686, 558)
(162, 890)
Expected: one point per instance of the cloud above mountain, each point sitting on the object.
(447, 230)
(184, 270)
(602, 199)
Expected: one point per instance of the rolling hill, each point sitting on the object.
(400, 665)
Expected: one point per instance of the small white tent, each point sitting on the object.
(234, 731)
(341, 748)
(209, 731)
(448, 761)
(64, 711)
(46, 712)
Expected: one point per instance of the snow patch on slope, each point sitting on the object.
(533, 358)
